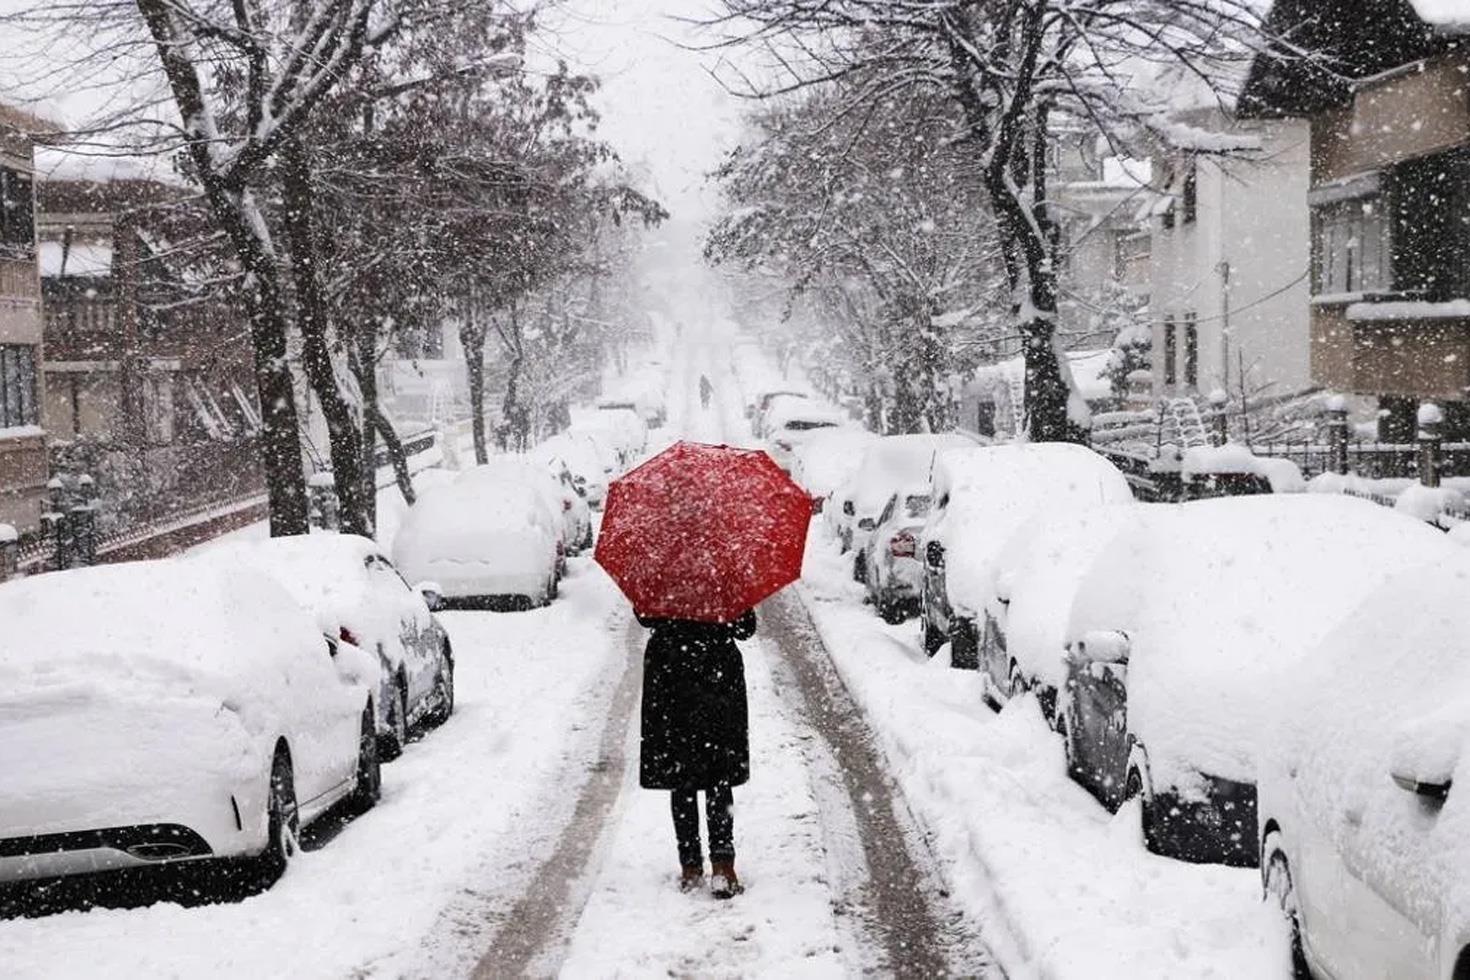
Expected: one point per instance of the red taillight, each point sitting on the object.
(902, 545)
(347, 636)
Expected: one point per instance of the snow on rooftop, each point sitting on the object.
(62, 163)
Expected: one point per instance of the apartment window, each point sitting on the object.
(17, 214)
(1170, 352)
(1191, 351)
(18, 386)
(1431, 230)
(1352, 248)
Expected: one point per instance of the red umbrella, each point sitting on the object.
(703, 532)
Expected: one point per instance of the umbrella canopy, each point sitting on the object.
(703, 532)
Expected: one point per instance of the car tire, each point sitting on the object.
(282, 821)
(443, 692)
(1133, 787)
(964, 652)
(391, 742)
(934, 638)
(1277, 885)
(893, 613)
(369, 788)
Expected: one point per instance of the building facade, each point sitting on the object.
(1389, 199)
(23, 461)
(1229, 262)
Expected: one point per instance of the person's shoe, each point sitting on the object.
(723, 882)
(691, 878)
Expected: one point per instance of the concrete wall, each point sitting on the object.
(1252, 214)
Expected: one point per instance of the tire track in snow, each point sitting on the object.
(540, 923)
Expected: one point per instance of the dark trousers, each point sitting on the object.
(718, 805)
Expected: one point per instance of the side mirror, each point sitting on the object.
(1102, 647)
(934, 554)
(817, 504)
(432, 595)
(1438, 792)
(848, 509)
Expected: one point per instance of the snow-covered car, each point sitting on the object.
(982, 496)
(647, 406)
(829, 458)
(582, 457)
(791, 422)
(627, 425)
(1184, 627)
(1024, 637)
(892, 465)
(612, 446)
(764, 402)
(1364, 786)
(485, 544)
(171, 711)
(889, 557)
(576, 516)
(356, 594)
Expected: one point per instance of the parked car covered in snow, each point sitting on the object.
(1037, 574)
(1364, 786)
(889, 557)
(828, 458)
(893, 465)
(583, 457)
(763, 404)
(172, 711)
(1182, 630)
(356, 594)
(485, 544)
(791, 422)
(576, 516)
(626, 426)
(982, 496)
(647, 406)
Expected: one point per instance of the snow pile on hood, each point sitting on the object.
(1386, 693)
(1220, 596)
(1283, 475)
(899, 464)
(1042, 566)
(830, 458)
(478, 521)
(141, 630)
(992, 491)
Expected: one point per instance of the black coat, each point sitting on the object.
(696, 730)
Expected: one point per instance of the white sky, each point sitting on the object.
(660, 106)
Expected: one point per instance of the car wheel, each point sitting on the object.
(282, 820)
(933, 638)
(893, 613)
(963, 652)
(1017, 681)
(1277, 885)
(1133, 788)
(369, 767)
(391, 742)
(443, 692)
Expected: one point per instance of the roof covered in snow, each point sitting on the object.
(81, 259)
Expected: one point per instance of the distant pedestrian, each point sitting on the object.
(705, 391)
(695, 737)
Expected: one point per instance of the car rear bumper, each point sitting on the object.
(127, 786)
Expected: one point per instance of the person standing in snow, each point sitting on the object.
(705, 390)
(695, 737)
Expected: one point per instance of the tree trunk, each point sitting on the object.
(343, 434)
(362, 358)
(396, 454)
(472, 338)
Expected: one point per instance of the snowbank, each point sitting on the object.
(1219, 596)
